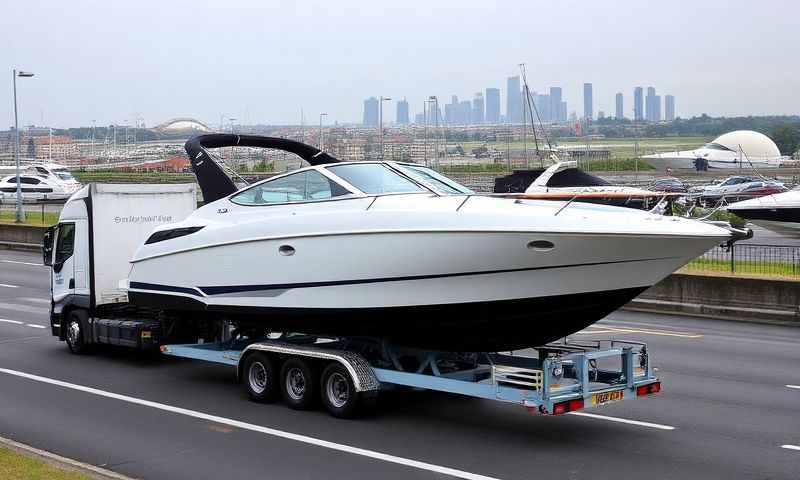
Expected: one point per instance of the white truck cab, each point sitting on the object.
(100, 228)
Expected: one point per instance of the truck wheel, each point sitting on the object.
(259, 378)
(298, 384)
(339, 393)
(75, 335)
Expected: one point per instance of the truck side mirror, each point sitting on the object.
(47, 246)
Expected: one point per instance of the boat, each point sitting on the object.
(565, 181)
(399, 252)
(733, 150)
(37, 186)
(779, 212)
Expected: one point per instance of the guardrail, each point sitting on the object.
(749, 259)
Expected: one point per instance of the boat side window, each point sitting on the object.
(374, 178)
(30, 180)
(65, 245)
(308, 185)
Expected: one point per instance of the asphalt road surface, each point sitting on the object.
(730, 409)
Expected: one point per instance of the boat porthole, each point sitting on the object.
(286, 250)
(541, 245)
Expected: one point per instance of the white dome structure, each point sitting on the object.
(753, 144)
(183, 125)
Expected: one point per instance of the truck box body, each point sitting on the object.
(107, 223)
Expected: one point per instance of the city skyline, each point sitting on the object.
(323, 58)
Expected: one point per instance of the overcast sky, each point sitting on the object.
(260, 62)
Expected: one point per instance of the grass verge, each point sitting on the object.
(35, 219)
(784, 270)
(17, 466)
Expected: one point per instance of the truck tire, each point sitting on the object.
(76, 332)
(259, 378)
(298, 384)
(339, 393)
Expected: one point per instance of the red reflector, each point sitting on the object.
(647, 389)
(576, 404)
(655, 387)
(560, 408)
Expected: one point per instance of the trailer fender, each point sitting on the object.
(361, 372)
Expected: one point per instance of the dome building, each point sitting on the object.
(182, 126)
(740, 148)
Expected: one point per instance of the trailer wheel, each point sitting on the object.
(75, 335)
(298, 384)
(259, 378)
(339, 393)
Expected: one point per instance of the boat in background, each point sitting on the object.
(737, 149)
(565, 181)
(779, 212)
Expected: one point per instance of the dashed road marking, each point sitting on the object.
(385, 457)
(624, 420)
(796, 387)
(33, 325)
(8, 286)
(791, 447)
(605, 328)
(15, 322)
(22, 263)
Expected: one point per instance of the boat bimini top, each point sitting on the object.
(213, 180)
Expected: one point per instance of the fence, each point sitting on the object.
(750, 259)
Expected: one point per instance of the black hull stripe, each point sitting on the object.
(220, 290)
(775, 214)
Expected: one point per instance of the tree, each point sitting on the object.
(787, 138)
(31, 148)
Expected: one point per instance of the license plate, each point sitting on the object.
(607, 397)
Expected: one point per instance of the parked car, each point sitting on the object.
(670, 185)
(740, 186)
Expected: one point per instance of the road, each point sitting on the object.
(726, 411)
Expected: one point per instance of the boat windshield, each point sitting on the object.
(434, 179)
(64, 174)
(375, 178)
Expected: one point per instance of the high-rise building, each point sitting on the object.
(402, 112)
(419, 118)
(555, 105)
(669, 108)
(588, 111)
(492, 105)
(657, 108)
(620, 111)
(464, 113)
(478, 108)
(371, 112)
(638, 110)
(513, 101)
(650, 103)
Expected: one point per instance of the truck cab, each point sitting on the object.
(100, 228)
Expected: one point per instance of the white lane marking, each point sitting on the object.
(35, 325)
(22, 263)
(15, 322)
(793, 386)
(58, 458)
(8, 286)
(35, 300)
(256, 428)
(624, 420)
(791, 447)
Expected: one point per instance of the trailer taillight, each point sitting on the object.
(654, 387)
(568, 406)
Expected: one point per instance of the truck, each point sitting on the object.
(102, 225)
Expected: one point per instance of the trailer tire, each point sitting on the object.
(339, 393)
(298, 383)
(75, 334)
(259, 378)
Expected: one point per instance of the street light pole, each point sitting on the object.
(380, 121)
(20, 218)
(435, 101)
(321, 135)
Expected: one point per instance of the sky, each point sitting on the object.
(263, 61)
